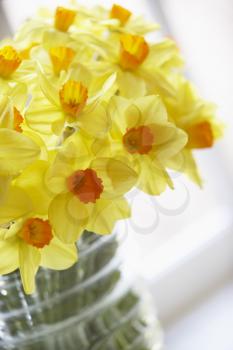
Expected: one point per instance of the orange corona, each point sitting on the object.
(9, 61)
(64, 18)
(200, 135)
(138, 140)
(73, 97)
(18, 120)
(36, 232)
(61, 58)
(86, 185)
(134, 50)
(120, 13)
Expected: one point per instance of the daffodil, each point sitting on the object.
(13, 68)
(142, 68)
(27, 240)
(59, 20)
(76, 101)
(89, 190)
(197, 118)
(29, 243)
(142, 137)
(63, 21)
(117, 19)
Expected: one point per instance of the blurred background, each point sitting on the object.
(182, 242)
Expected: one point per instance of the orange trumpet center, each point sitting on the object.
(138, 140)
(18, 120)
(61, 58)
(73, 97)
(36, 232)
(200, 135)
(120, 13)
(9, 61)
(64, 18)
(134, 50)
(86, 185)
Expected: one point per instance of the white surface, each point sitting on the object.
(207, 327)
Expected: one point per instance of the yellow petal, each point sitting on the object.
(18, 96)
(16, 151)
(106, 213)
(69, 152)
(96, 122)
(164, 53)
(9, 256)
(79, 72)
(55, 177)
(130, 85)
(58, 256)
(101, 86)
(116, 110)
(4, 186)
(29, 261)
(158, 82)
(118, 178)
(16, 204)
(177, 141)
(49, 90)
(42, 115)
(68, 217)
(184, 162)
(32, 181)
(146, 110)
(153, 178)
(10, 230)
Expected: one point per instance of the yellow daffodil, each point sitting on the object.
(30, 243)
(13, 68)
(27, 240)
(197, 118)
(76, 101)
(89, 191)
(141, 68)
(61, 21)
(117, 20)
(141, 136)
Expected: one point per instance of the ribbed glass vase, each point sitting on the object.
(94, 305)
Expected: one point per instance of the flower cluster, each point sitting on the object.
(89, 109)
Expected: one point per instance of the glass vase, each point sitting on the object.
(96, 304)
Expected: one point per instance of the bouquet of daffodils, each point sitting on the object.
(89, 109)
